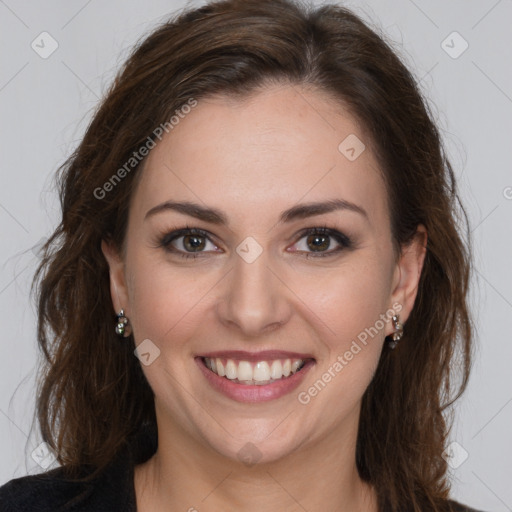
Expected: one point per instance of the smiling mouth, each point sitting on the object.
(254, 373)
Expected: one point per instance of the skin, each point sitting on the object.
(252, 159)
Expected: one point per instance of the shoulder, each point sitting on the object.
(54, 491)
(50, 491)
(112, 490)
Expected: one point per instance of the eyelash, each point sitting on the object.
(344, 241)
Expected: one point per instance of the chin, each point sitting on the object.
(252, 450)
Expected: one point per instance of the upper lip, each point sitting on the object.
(264, 355)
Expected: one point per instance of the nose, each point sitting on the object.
(254, 300)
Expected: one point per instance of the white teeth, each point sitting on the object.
(276, 370)
(295, 366)
(287, 368)
(231, 370)
(261, 372)
(244, 370)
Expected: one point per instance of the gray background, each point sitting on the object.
(46, 104)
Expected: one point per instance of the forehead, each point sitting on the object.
(252, 157)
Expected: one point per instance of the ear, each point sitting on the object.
(118, 288)
(408, 272)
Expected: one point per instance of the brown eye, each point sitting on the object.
(318, 242)
(188, 242)
(193, 243)
(321, 242)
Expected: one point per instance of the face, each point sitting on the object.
(257, 242)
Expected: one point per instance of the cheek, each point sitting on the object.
(351, 303)
(349, 299)
(162, 298)
(171, 304)
(353, 342)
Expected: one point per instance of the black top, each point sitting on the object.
(112, 491)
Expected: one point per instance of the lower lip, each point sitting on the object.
(255, 393)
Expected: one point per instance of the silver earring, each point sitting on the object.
(123, 327)
(399, 331)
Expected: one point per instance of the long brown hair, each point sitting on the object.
(93, 395)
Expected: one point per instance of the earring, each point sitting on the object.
(399, 332)
(123, 327)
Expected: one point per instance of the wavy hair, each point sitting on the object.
(92, 393)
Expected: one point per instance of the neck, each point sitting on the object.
(185, 474)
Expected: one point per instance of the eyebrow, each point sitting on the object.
(216, 216)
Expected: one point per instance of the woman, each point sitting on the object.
(262, 213)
